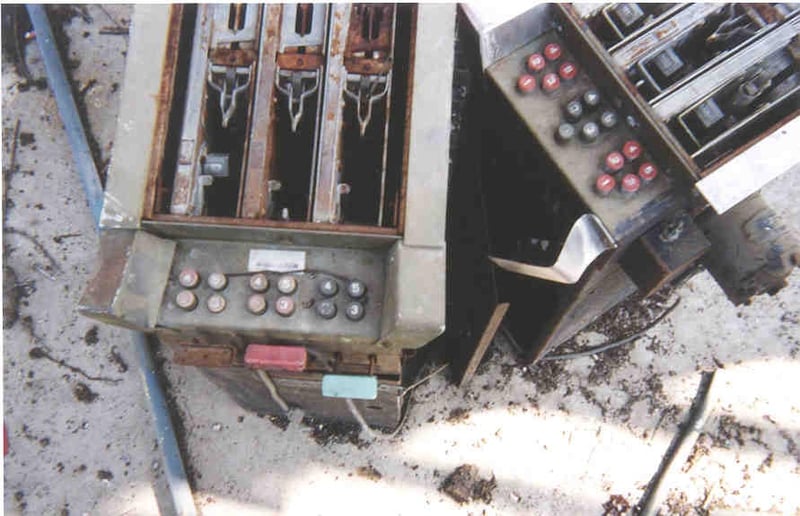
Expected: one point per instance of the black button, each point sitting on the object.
(326, 309)
(356, 289)
(609, 119)
(328, 287)
(589, 132)
(565, 132)
(573, 110)
(355, 311)
(591, 99)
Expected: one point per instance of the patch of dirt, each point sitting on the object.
(369, 472)
(616, 505)
(115, 358)
(91, 338)
(279, 421)
(546, 376)
(335, 432)
(104, 474)
(701, 449)
(458, 415)
(83, 393)
(465, 485)
(730, 432)
(606, 363)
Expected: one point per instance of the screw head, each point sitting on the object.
(284, 306)
(189, 278)
(326, 309)
(259, 282)
(216, 303)
(287, 284)
(217, 280)
(256, 304)
(186, 300)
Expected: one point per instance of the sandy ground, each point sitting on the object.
(563, 438)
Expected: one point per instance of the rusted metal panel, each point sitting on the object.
(326, 190)
(202, 356)
(262, 132)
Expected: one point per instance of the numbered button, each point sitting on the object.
(259, 282)
(186, 300)
(328, 287)
(256, 304)
(536, 62)
(326, 309)
(287, 284)
(189, 278)
(356, 289)
(526, 83)
(216, 304)
(552, 51)
(284, 306)
(550, 82)
(355, 311)
(217, 281)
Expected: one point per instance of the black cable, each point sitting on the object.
(611, 345)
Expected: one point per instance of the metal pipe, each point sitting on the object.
(57, 79)
(175, 473)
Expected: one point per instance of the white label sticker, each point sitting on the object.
(276, 261)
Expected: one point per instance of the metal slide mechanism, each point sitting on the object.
(586, 241)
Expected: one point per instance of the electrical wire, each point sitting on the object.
(611, 345)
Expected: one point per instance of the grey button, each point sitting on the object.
(573, 110)
(216, 303)
(356, 289)
(609, 119)
(589, 132)
(328, 287)
(186, 300)
(355, 311)
(591, 99)
(287, 284)
(256, 304)
(284, 306)
(326, 309)
(189, 278)
(217, 281)
(259, 282)
(565, 132)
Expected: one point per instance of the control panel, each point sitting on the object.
(295, 294)
(587, 132)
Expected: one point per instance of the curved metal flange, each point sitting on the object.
(587, 240)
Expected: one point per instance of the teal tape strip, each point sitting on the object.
(350, 386)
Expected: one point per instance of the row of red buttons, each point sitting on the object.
(567, 71)
(631, 150)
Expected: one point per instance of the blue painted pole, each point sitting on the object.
(175, 473)
(57, 79)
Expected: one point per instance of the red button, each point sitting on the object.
(614, 161)
(550, 82)
(647, 171)
(630, 183)
(277, 358)
(605, 184)
(567, 71)
(632, 150)
(552, 51)
(526, 83)
(536, 62)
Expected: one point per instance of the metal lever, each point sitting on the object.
(293, 85)
(366, 85)
(587, 239)
(229, 91)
